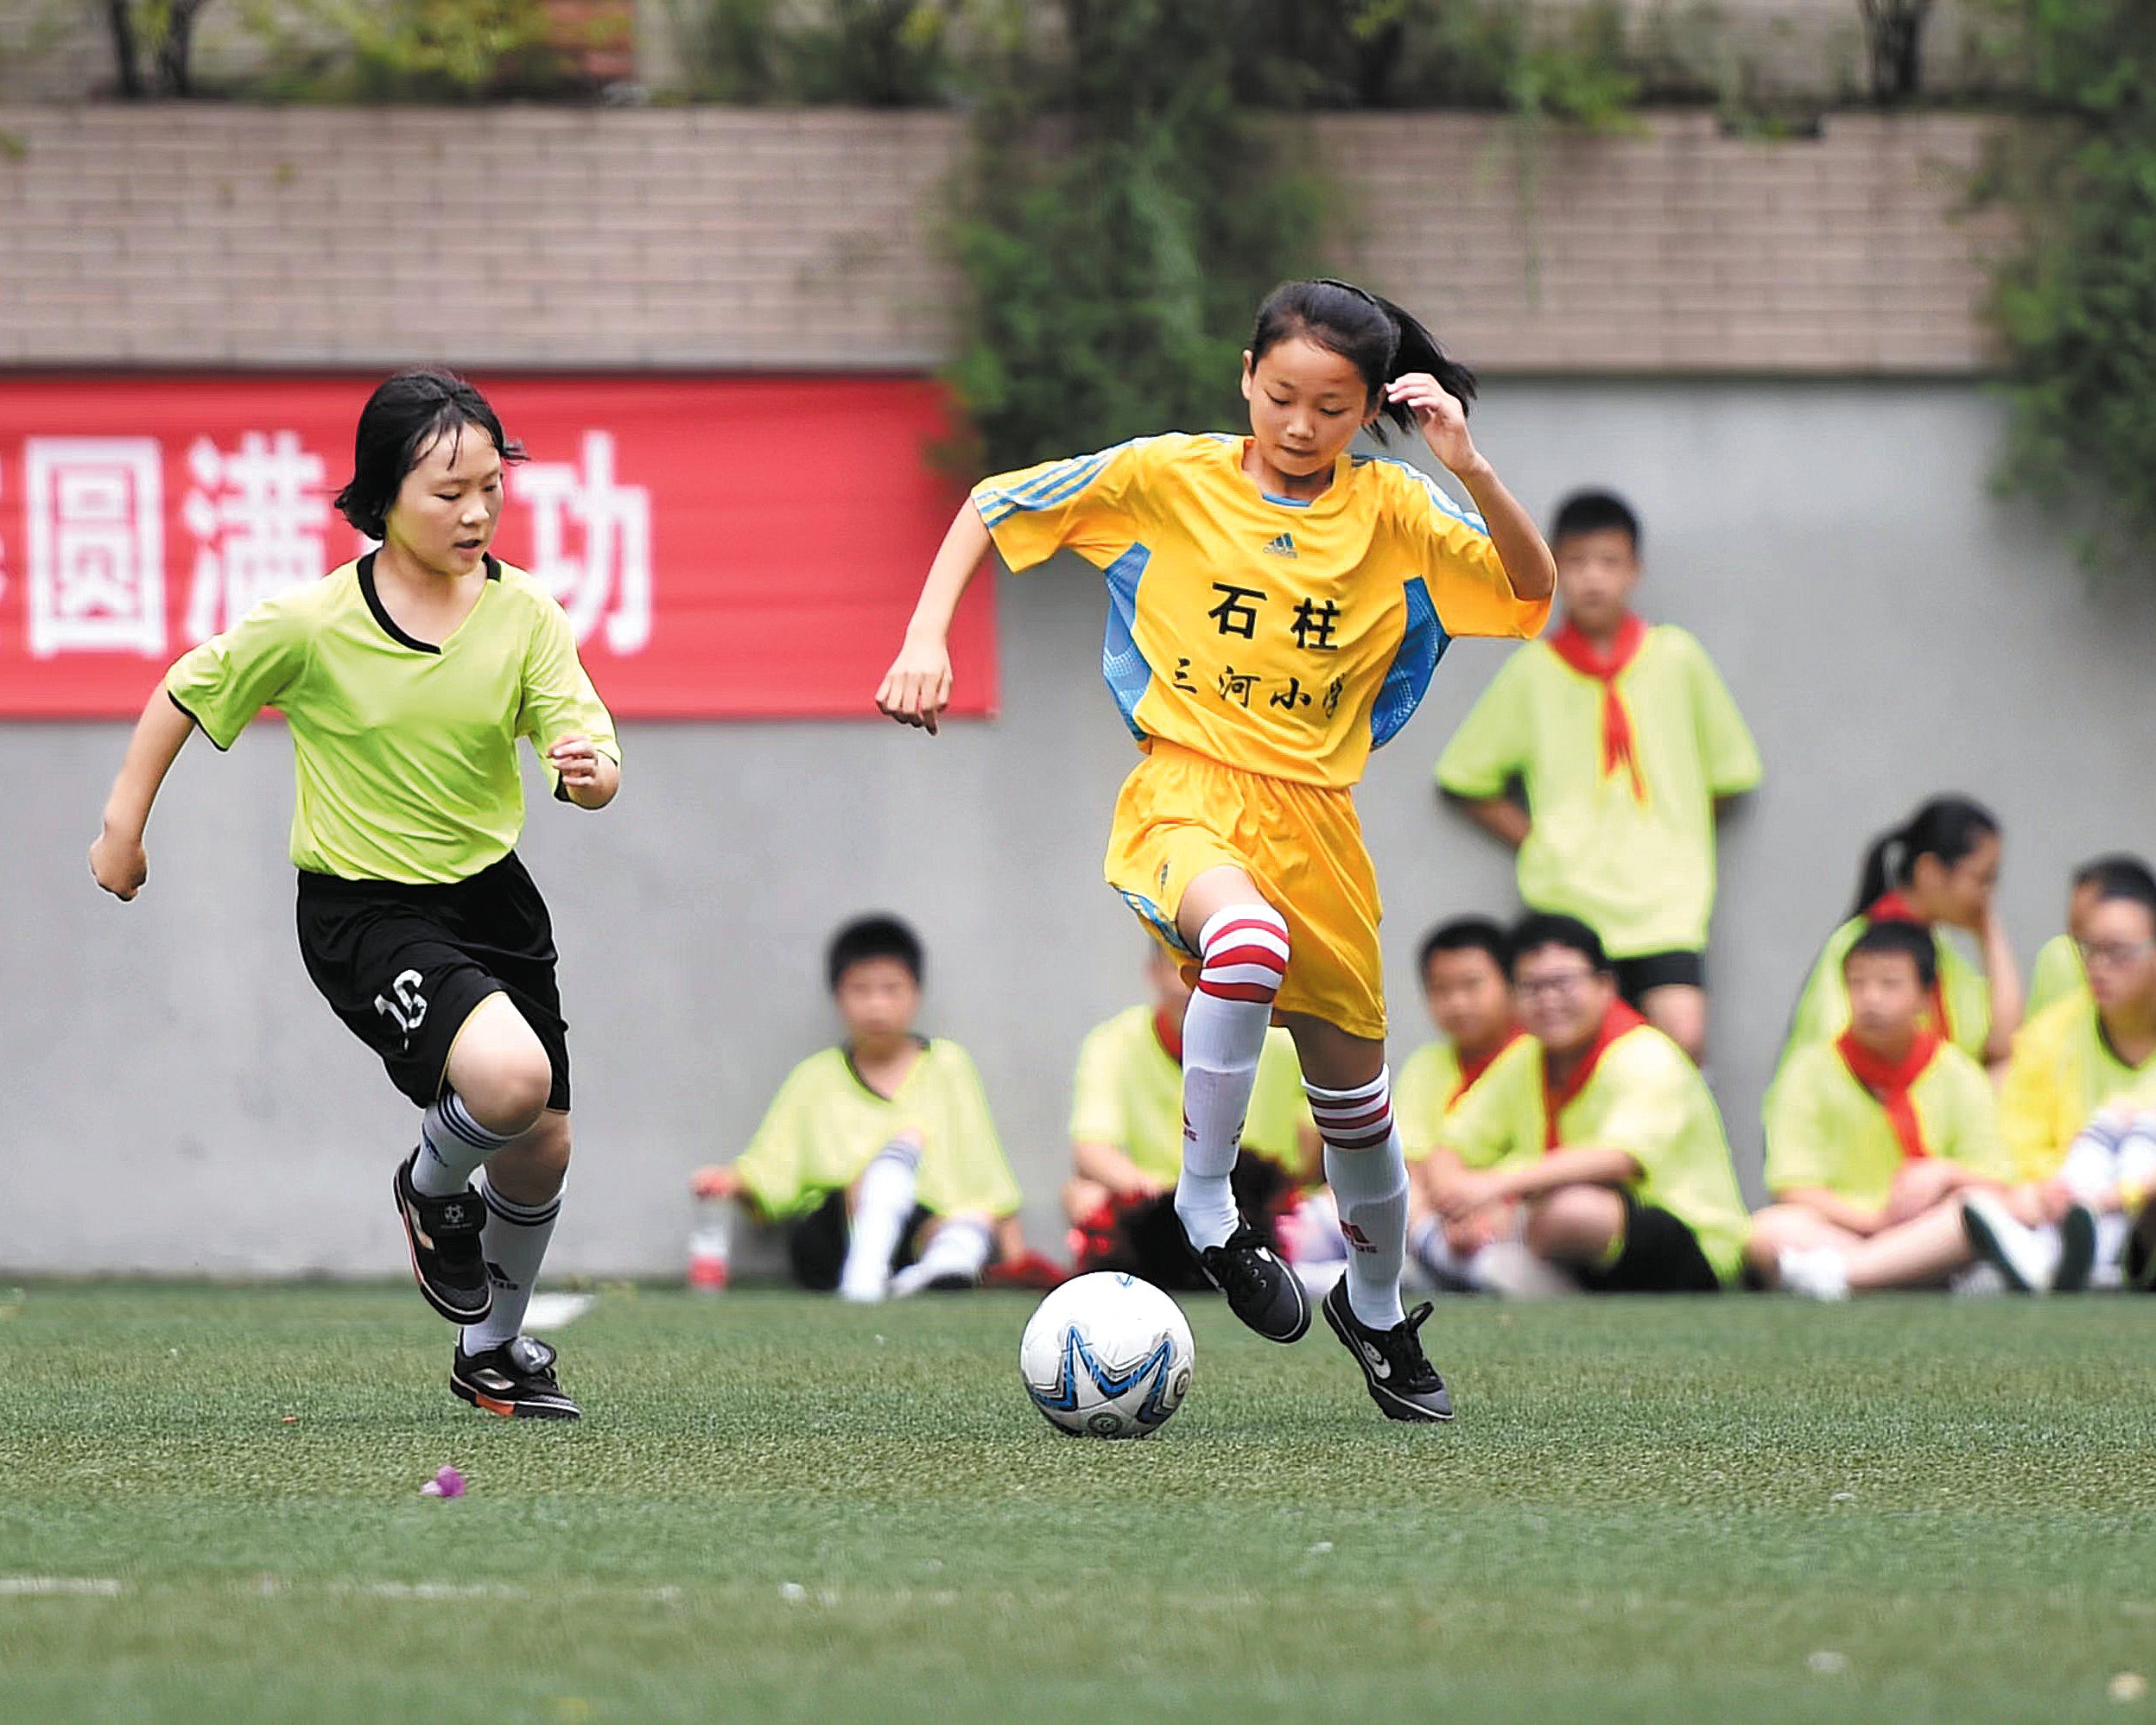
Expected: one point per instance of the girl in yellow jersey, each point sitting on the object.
(1275, 607)
(407, 677)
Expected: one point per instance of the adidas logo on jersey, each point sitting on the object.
(1281, 545)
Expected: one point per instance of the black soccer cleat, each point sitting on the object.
(1261, 1289)
(515, 1380)
(1403, 1382)
(442, 1235)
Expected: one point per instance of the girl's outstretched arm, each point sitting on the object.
(1528, 565)
(917, 687)
(118, 859)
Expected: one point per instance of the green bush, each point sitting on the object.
(405, 50)
(875, 54)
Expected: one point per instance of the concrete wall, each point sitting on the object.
(175, 1097)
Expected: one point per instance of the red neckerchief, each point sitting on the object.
(1606, 667)
(1893, 908)
(1472, 1070)
(1618, 1021)
(1170, 1036)
(1889, 1083)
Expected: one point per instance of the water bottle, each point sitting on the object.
(710, 1242)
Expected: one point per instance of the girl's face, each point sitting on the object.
(1959, 894)
(447, 510)
(1307, 402)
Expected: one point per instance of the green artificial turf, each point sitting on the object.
(777, 1507)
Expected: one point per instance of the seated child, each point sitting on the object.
(1127, 1137)
(1604, 1134)
(878, 1154)
(1887, 1124)
(2058, 970)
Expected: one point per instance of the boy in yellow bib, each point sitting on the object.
(1277, 606)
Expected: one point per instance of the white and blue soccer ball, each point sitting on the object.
(1107, 1355)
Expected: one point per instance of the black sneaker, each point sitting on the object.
(515, 1380)
(443, 1237)
(1261, 1289)
(2077, 1250)
(1403, 1382)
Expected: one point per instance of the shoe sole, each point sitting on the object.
(1391, 1404)
(454, 1314)
(565, 1409)
(2078, 1250)
(1987, 1246)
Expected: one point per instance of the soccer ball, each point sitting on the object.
(1107, 1355)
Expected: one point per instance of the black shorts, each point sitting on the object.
(1661, 1256)
(1639, 977)
(816, 1243)
(404, 966)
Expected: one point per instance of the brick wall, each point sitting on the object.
(199, 233)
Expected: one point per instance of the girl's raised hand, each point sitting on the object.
(917, 687)
(1441, 418)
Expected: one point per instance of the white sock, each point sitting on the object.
(959, 1249)
(513, 1243)
(452, 1145)
(881, 1205)
(1245, 951)
(1446, 1268)
(1368, 1176)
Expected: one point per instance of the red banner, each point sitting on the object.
(731, 547)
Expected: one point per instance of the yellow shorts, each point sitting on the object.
(1181, 814)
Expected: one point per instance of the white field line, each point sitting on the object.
(69, 1587)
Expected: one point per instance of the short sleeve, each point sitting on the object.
(1727, 755)
(1485, 1126)
(1977, 1144)
(226, 681)
(2027, 1098)
(1647, 1117)
(1421, 1095)
(1096, 1103)
(1447, 543)
(558, 699)
(966, 1170)
(1799, 1135)
(1491, 747)
(771, 1168)
(1091, 505)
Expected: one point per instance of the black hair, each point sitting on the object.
(868, 937)
(1947, 827)
(1381, 341)
(2117, 874)
(1467, 934)
(402, 418)
(1539, 928)
(1914, 942)
(1593, 512)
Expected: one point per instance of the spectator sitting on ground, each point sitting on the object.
(1881, 1131)
(1466, 970)
(1626, 742)
(1127, 1137)
(878, 1154)
(2058, 971)
(1606, 1136)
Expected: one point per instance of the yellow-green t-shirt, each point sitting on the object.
(405, 754)
(1645, 1097)
(825, 1126)
(2061, 1072)
(1825, 1130)
(2058, 972)
(1426, 1090)
(1128, 1092)
(1640, 872)
(1822, 1010)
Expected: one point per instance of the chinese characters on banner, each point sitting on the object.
(725, 546)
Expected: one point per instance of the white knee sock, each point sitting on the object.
(1245, 951)
(959, 1251)
(1368, 1176)
(881, 1205)
(513, 1243)
(452, 1145)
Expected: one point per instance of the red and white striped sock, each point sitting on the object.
(1244, 960)
(1368, 1176)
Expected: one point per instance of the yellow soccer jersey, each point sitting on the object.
(1426, 1090)
(1645, 1097)
(825, 1125)
(1638, 868)
(1128, 1094)
(2062, 1071)
(405, 754)
(2058, 972)
(1278, 636)
(1824, 1130)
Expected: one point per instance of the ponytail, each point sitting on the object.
(1947, 827)
(1417, 350)
(1377, 338)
